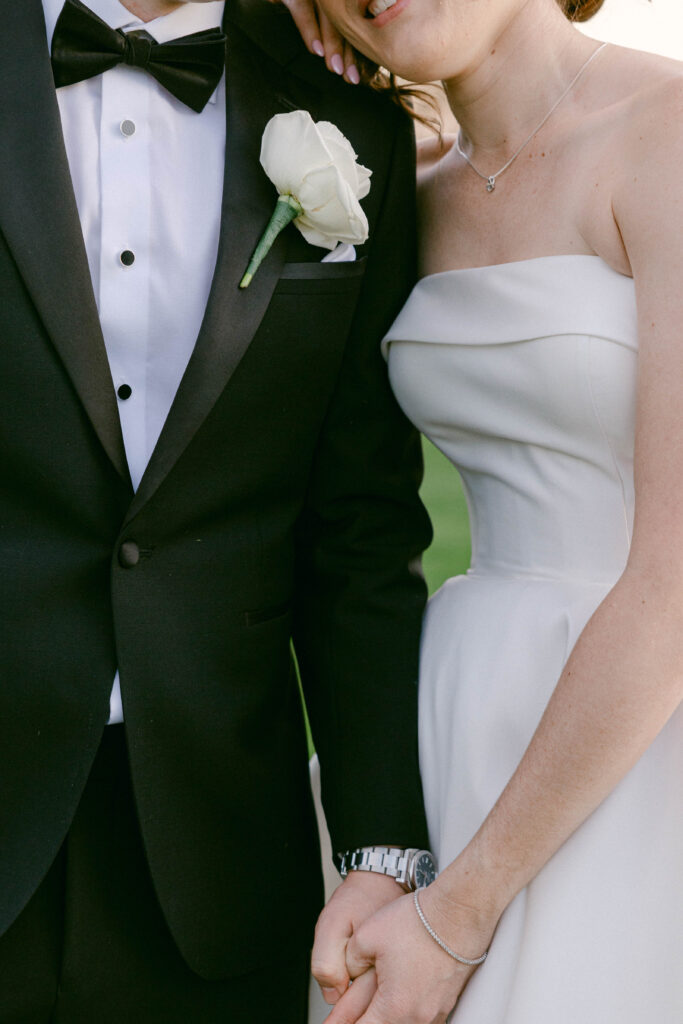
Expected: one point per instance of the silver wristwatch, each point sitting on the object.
(412, 868)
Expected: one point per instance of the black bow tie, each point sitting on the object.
(84, 46)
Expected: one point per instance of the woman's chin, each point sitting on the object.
(388, 38)
(409, 67)
(396, 40)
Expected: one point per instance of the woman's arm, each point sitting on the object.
(624, 679)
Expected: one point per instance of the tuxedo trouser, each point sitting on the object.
(92, 945)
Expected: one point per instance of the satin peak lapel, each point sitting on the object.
(39, 217)
(232, 314)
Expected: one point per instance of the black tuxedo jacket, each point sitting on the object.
(279, 503)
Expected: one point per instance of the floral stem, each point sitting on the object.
(286, 210)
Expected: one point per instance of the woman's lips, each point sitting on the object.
(377, 7)
(381, 12)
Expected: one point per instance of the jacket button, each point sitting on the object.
(129, 554)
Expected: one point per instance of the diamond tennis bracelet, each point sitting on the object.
(440, 942)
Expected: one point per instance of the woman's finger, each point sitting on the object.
(333, 43)
(356, 1000)
(305, 16)
(322, 38)
(359, 957)
(351, 73)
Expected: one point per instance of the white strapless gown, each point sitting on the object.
(524, 374)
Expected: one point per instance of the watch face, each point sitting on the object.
(425, 870)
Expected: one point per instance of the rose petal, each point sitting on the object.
(345, 158)
(290, 147)
(340, 150)
(331, 210)
(364, 176)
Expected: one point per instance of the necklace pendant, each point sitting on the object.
(490, 184)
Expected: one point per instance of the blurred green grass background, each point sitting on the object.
(443, 496)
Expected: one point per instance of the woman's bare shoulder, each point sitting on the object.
(647, 83)
(647, 154)
(651, 121)
(635, 114)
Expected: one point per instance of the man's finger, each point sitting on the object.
(328, 960)
(331, 975)
(355, 1000)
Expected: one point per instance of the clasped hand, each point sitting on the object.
(370, 934)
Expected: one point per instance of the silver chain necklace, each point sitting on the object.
(490, 179)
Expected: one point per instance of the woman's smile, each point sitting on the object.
(381, 12)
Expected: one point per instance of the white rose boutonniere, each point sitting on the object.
(320, 182)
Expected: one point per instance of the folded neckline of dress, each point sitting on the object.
(503, 303)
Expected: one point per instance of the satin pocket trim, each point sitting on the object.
(313, 270)
(275, 611)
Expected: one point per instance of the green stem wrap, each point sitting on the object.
(286, 210)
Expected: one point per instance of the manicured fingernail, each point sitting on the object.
(337, 64)
(352, 74)
(331, 996)
(318, 48)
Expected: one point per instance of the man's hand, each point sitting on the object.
(360, 896)
(400, 974)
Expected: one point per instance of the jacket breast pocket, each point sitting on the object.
(321, 278)
(261, 615)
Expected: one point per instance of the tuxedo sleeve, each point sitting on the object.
(360, 592)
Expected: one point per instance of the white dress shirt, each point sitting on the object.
(148, 178)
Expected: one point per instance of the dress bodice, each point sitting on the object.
(524, 375)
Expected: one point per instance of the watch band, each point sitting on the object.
(384, 860)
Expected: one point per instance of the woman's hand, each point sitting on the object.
(322, 38)
(401, 976)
